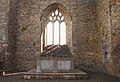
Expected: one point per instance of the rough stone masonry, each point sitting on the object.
(93, 31)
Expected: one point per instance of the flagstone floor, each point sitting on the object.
(93, 77)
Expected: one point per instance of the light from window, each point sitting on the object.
(55, 32)
(63, 33)
(49, 34)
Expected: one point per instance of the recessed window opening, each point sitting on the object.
(55, 32)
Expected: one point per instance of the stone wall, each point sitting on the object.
(93, 33)
(103, 24)
(29, 29)
(4, 18)
(85, 36)
(84, 32)
(27, 33)
(108, 23)
(115, 33)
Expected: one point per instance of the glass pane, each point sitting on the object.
(45, 36)
(50, 18)
(62, 18)
(49, 34)
(54, 18)
(58, 18)
(56, 12)
(60, 14)
(53, 14)
(62, 33)
(42, 42)
(56, 33)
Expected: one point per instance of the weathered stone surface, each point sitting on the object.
(4, 15)
(108, 23)
(93, 32)
(115, 33)
(55, 64)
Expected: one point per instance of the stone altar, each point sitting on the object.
(55, 68)
(55, 64)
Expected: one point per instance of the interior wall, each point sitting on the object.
(95, 33)
(103, 23)
(115, 33)
(108, 22)
(29, 29)
(12, 26)
(4, 43)
(85, 36)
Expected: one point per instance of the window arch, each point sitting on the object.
(55, 32)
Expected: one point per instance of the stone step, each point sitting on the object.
(73, 74)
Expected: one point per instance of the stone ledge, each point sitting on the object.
(73, 74)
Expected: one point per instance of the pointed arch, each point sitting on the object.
(60, 18)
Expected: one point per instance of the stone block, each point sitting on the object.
(55, 64)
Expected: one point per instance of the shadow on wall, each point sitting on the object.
(116, 60)
(57, 51)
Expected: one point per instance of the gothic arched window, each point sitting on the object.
(55, 32)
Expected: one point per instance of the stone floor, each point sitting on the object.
(93, 77)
